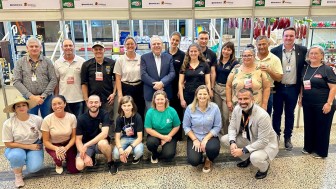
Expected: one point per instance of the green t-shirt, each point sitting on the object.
(162, 122)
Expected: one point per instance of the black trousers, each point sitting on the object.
(168, 149)
(212, 151)
(317, 126)
(136, 92)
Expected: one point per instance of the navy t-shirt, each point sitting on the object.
(128, 127)
(319, 79)
(195, 77)
(223, 71)
(178, 58)
(90, 127)
(210, 57)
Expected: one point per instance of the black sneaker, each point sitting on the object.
(288, 144)
(261, 175)
(113, 167)
(244, 164)
(136, 161)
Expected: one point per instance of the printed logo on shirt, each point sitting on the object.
(169, 121)
(177, 61)
(201, 73)
(108, 69)
(318, 76)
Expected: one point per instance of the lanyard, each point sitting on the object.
(33, 66)
(312, 74)
(290, 56)
(101, 67)
(245, 121)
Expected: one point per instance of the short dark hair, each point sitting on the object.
(244, 90)
(203, 32)
(289, 28)
(66, 108)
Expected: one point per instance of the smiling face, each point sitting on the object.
(34, 49)
(21, 108)
(68, 47)
(226, 52)
(127, 108)
(58, 105)
(93, 104)
(98, 52)
(175, 41)
(203, 40)
(315, 56)
(245, 100)
(130, 45)
(203, 96)
(248, 57)
(193, 53)
(288, 37)
(156, 46)
(262, 46)
(160, 101)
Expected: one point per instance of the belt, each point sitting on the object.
(288, 85)
(134, 83)
(221, 84)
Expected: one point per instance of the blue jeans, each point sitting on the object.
(284, 96)
(76, 108)
(125, 142)
(45, 108)
(18, 157)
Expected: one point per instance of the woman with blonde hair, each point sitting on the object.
(202, 123)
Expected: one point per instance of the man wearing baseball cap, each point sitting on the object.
(97, 78)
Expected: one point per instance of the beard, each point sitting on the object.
(93, 109)
(248, 106)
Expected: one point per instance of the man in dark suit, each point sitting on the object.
(292, 58)
(157, 71)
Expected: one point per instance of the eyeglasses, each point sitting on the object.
(247, 56)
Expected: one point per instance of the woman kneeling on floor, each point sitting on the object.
(22, 137)
(161, 124)
(202, 123)
(128, 132)
(59, 135)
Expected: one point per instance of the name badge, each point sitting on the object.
(244, 134)
(307, 84)
(129, 131)
(248, 83)
(288, 68)
(71, 80)
(99, 76)
(34, 78)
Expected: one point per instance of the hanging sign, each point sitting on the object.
(29, 4)
(155, 4)
(96, 4)
(223, 3)
(326, 3)
(282, 3)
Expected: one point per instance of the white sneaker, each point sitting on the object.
(154, 160)
(59, 170)
(19, 180)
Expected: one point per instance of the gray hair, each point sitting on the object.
(33, 40)
(315, 47)
(261, 38)
(155, 37)
(250, 48)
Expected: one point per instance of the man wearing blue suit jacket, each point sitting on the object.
(292, 58)
(157, 71)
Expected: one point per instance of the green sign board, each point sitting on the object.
(68, 4)
(316, 2)
(136, 4)
(260, 3)
(0, 4)
(199, 3)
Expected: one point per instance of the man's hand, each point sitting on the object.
(111, 98)
(87, 160)
(158, 85)
(237, 152)
(82, 152)
(37, 98)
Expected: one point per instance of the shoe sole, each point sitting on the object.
(206, 171)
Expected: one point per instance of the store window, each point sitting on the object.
(2, 30)
(49, 30)
(101, 30)
(153, 27)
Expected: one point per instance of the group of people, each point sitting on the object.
(211, 100)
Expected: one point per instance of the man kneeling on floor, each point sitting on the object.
(92, 136)
(251, 136)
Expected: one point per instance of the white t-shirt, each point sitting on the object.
(128, 69)
(69, 78)
(23, 132)
(59, 129)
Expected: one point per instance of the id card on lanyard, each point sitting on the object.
(288, 59)
(33, 69)
(99, 75)
(244, 133)
(307, 83)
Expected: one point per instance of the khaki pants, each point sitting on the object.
(220, 100)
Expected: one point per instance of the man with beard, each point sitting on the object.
(67, 69)
(92, 136)
(251, 136)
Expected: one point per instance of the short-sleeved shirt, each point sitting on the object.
(319, 79)
(90, 127)
(65, 71)
(88, 77)
(257, 76)
(195, 77)
(23, 132)
(60, 129)
(210, 57)
(223, 71)
(162, 122)
(274, 62)
(128, 127)
(128, 69)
